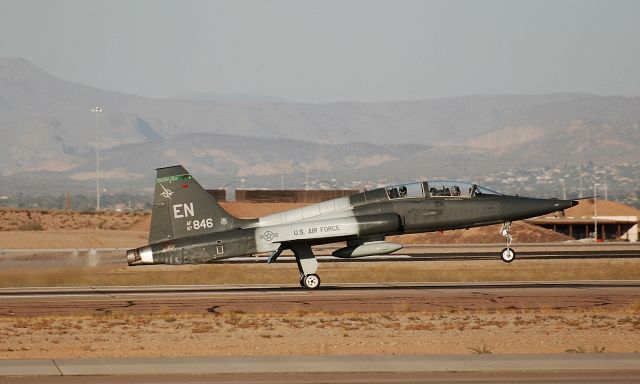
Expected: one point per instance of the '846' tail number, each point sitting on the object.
(199, 224)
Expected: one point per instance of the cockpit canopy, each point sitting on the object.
(406, 190)
(437, 188)
(457, 189)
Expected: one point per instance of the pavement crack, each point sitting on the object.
(107, 310)
(57, 366)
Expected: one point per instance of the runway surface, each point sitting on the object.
(329, 298)
(604, 377)
(547, 368)
(496, 368)
(442, 252)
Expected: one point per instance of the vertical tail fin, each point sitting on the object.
(181, 207)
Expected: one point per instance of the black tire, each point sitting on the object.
(311, 281)
(508, 255)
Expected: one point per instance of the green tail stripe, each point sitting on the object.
(169, 179)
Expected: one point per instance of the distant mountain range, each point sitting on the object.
(47, 135)
(226, 97)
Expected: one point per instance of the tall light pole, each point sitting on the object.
(606, 186)
(595, 209)
(580, 188)
(97, 110)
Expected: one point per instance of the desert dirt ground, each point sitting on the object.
(299, 333)
(309, 333)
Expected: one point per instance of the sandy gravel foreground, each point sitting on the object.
(302, 333)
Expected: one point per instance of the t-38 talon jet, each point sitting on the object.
(188, 225)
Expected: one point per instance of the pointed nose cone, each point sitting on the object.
(561, 205)
(553, 205)
(521, 208)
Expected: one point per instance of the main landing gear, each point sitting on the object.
(307, 265)
(310, 281)
(507, 254)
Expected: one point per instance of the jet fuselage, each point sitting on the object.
(189, 226)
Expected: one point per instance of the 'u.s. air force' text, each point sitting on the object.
(316, 230)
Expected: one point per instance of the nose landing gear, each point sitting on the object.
(507, 254)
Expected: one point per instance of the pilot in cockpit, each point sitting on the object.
(474, 191)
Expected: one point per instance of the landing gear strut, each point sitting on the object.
(307, 265)
(507, 254)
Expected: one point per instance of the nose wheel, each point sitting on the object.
(507, 254)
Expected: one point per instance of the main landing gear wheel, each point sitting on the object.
(508, 255)
(310, 281)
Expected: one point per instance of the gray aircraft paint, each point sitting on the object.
(340, 207)
(337, 220)
(269, 238)
(189, 226)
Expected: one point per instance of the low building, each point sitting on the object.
(290, 195)
(615, 221)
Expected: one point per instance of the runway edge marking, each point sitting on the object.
(589, 362)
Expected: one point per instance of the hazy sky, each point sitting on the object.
(319, 51)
